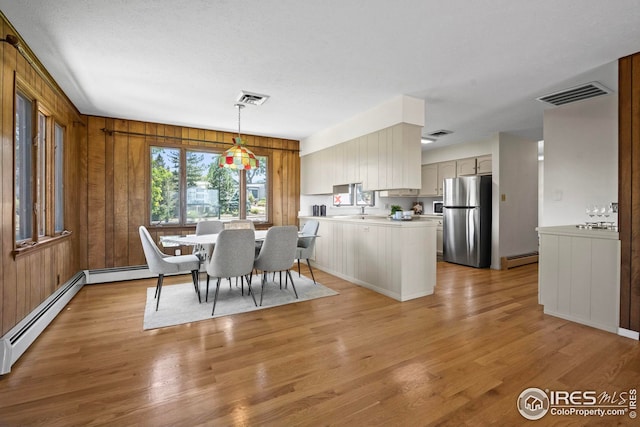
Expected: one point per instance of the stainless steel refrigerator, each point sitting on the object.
(466, 215)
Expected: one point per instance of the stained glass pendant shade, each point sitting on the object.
(238, 156)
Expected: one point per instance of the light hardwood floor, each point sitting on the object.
(459, 357)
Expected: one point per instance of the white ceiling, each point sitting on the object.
(479, 65)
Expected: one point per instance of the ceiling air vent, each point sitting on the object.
(439, 133)
(250, 98)
(574, 94)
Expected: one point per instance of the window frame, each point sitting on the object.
(242, 184)
(42, 173)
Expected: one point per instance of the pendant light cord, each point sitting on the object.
(240, 107)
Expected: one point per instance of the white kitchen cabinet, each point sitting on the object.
(407, 157)
(475, 166)
(399, 159)
(445, 170)
(384, 151)
(439, 244)
(371, 155)
(397, 259)
(466, 166)
(429, 180)
(400, 192)
(339, 164)
(352, 161)
(484, 166)
(579, 275)
(388, 159)
(316, 170)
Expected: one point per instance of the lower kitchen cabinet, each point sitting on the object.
(579, 275)
(397, 259)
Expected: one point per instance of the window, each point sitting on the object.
(209, 191)
(24, 169)
(257, 191)
(39, 154)
(165, 179)
(58, 187)
(41, 199)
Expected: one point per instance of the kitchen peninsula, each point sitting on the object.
(394, 258)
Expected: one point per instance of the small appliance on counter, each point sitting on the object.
(437, 207)
(319, 210)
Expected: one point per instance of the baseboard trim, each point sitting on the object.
(629, 334)
(508, 262)
(15, 342)
(117, 274)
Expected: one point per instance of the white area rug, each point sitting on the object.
(179, 303)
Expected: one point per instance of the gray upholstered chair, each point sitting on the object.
(202, 228)
(306, 243)
(232, 257)
(277, 254)
(162, 264)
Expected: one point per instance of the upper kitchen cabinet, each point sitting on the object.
(475, 166)
(445, 170)
(352, 161)
(387, 159)
(467, 166)
(429, 180)
(484, 166)
(370, 152)
(316, 170)
(339, 176)
(405, 158)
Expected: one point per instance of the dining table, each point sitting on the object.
(202, 239)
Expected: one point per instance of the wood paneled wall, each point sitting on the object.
(27, 280)
(118, 182)
(629, 190)
(106, 182)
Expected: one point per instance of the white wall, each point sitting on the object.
(580, 159)
(519, 185)
(458, 151)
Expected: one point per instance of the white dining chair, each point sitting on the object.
(306, 244)
(161, 264)
(277, 254)
(202, 228)
(232, 257)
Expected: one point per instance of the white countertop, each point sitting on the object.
(574, 231)
(374, 219)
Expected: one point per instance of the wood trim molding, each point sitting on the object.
(629, 189)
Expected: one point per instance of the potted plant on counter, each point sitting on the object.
(394, 209)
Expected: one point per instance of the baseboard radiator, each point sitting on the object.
(117, 274)
(508, 262)
(17, 340)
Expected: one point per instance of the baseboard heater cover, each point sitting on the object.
(508, 262)
(117, 274)
(15, 342)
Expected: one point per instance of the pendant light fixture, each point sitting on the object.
(238, 156)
